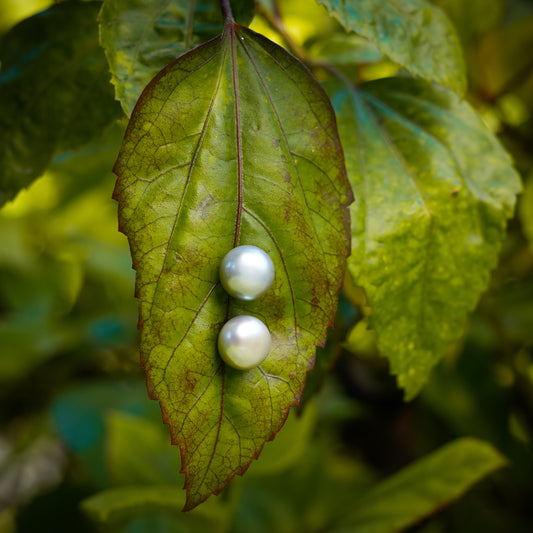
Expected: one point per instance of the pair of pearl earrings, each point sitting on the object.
(246, 272)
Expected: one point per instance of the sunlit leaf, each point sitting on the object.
(140, 37)
(413, 33)
(422, 488)
(54, 91)
(434, 189)
(232, 144)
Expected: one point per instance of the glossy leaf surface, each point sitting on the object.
(423, 487)
(234, 143)
(140, 37)
(413, 33)
(54, 91)
(434, 190)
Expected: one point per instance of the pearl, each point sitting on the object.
(246, 272)
(244, 342)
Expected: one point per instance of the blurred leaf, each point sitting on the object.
(472, 18)
(413, 33)
(342, 49)
(139, 451)
(309, 496)
(124, 504)
(13, 11)
(526, 210)
(79, 415)
(234, 143)
(8, 523)
(422, 488)
(434, 190)
(54, 91)
(505, 58)
(140, 37)
(289, 445)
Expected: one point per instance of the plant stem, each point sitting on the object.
(190, 22)
(276, 22)
(226, 10)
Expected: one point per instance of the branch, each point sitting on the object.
(226, 10)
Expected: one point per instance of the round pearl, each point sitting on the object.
(244, 342)
(246, 272)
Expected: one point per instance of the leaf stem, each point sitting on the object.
(226, 10)
(275, 21)
(190, 24)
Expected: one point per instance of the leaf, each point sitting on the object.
(341, 49)
(124, 504)
(526, 210)
(234, 143)
(54, 91)
(505, 66)
(138, 451)
(413, 33)
(141, 37)
(289, 446)
(422, 488)
(434, 190)
(79, 417)
(473, 18)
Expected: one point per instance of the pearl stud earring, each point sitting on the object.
(244, 342)
(246, 272)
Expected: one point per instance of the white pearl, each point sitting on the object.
(244, 342)
(246, 272)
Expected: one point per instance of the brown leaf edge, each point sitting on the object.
(233, 27)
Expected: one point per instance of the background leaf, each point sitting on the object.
(138, 451)
(122, 505)
(141, 37)
(234, 143)
(421, 488)
(414, 33)
(54, 91)
(434, 190)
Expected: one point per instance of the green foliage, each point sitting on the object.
(234, 142)
(54, 91)
(140, 38)
(423, 245)
(415, 34)
(421, 488)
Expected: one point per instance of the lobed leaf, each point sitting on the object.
(422, 488)
(140, 37)
(54, 91)
(413, 33)
(435, 189)
(234, 143)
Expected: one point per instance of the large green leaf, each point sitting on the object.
(413, 33)
(54, 91)
(140, 37)
(434, 190)
(422, 488)
(234, 143)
